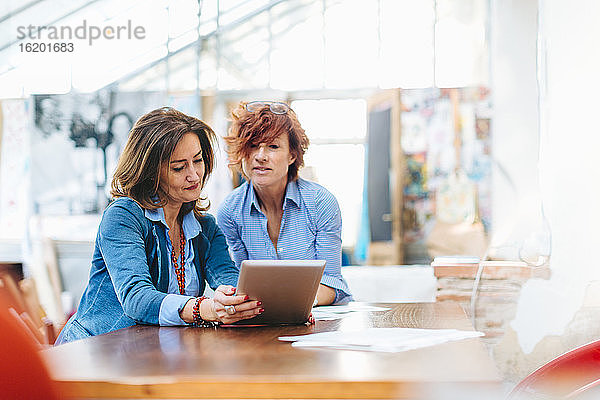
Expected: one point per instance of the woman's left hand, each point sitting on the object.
(229, 308)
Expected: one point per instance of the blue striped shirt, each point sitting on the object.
(311, 229)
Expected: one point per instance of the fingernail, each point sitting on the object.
(246, 297)
(262, 310)
(259, 303)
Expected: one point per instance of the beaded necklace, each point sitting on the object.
(179, 271)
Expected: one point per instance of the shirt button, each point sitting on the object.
(281, 249)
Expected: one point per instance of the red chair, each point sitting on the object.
(571, 375)
(23, 374)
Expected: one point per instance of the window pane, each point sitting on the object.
(461, 45)
(407, 43)
(351, 57)
(340, 169)
(336, 165)
(297, 57)
(332, 120)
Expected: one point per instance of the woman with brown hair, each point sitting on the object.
(276, 214)
(156, 246)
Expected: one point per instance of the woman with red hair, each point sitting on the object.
(276, 214)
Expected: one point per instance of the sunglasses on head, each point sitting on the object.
(274, 106)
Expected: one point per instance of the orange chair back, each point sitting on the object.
(23, 374)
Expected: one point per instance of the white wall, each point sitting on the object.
(515, 122)
(569, 171)
(570, 37)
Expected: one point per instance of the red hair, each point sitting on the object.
(263, 126)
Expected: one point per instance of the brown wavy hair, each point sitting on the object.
(150, 144)
(263, 126)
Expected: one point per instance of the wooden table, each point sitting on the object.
(153, 362)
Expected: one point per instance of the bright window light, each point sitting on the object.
(406, 44)
(297, 57)
(260, 44)
(351, 53)
(335, 158)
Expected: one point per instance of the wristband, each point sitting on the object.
(198, 321)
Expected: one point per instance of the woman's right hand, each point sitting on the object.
(228, 308)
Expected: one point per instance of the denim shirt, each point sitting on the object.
(129, 277)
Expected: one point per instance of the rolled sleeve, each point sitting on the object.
(170, 307)
(342, 292)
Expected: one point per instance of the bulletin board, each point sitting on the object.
(444, 132)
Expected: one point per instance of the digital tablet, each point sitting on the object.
(286, 288)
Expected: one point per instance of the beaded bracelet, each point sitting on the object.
(198, 321)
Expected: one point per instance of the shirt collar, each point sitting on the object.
(253, 199)
(191, 226)
(291, 193)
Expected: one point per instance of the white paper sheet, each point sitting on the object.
(328, 313)
(381, 339)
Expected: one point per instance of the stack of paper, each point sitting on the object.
(380, 339)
